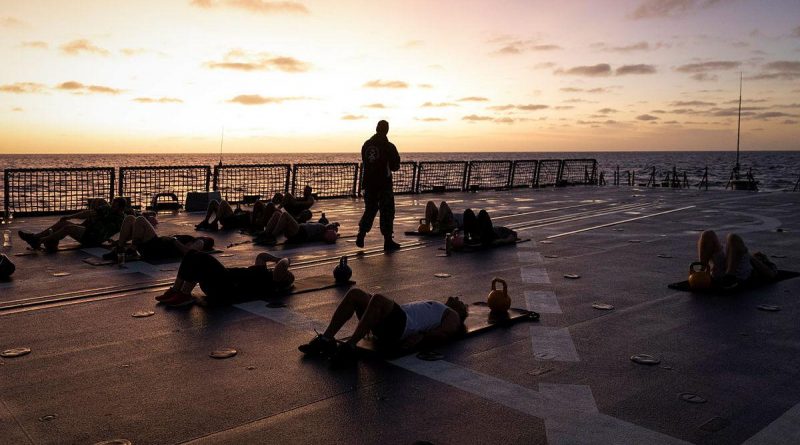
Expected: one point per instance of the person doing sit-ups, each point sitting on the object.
(230, 219)
(282, 223)
(99, 224)
(142, 236)
(732, 264)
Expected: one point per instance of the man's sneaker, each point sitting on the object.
(360, 239)
(345, 355)
(320, 345)
(205, 225)
(389, 245)
(728, 282)
(51, 245)
(169, 294)
(31, 239)
(180, 299)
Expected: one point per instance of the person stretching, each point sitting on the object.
(420, 323)
(282, 223)
(140, 233)
(732, 264)
(231, 219)
(299, 208)
(225, 284)
(98, 225)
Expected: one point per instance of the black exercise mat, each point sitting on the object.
(99, 261)
(61, 248)
(311, 284)
(750, 284)
(480, 320)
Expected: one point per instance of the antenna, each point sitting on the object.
(739, 125)
(222, 139)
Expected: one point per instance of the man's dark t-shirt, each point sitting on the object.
(380, 158)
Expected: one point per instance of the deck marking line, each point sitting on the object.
(553, 344)
(619, 222)
(528, 256)
(534, 275)
(542, 301)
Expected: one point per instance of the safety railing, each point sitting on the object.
(329, 180)
(523, 173)
(140, 184)
(404, 181)
(488, 175)
(548, 172)
(441, 176)
(578, 172)
(237, 180)
(51, 191)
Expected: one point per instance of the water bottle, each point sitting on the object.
(121, 257)
(448, 244)
(6, 238)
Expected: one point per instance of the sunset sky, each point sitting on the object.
(115, 76)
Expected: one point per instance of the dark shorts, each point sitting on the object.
(240, 220)
(390, 329)
(92, 237)
(159, 248)
(300, 237)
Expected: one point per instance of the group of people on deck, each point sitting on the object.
(285, 215)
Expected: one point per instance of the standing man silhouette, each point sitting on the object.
(380, 159)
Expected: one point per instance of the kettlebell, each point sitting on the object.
(323, 219)
(342, 272)
(699, 279)
(498, 300)
(458, 240)
(424, 227)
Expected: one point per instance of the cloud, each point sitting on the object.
(529, 107)
(353, 117)
(787, 121)
(379, 106)
(473, 99)
(385, 84)
(424, 85)
(257, 6)
(476, 118)
(668, 8)
(607, 110)
(37, 44)
(703, 67)
(11, 22)
(544, 65)
(796, 32)
(582, 90)
(17, 109)
(255, 99)
(771, 115)
(601, 69)
(430, 119)
(439, 105)
(692, 103)
(413, 44)
(76, 47)
(563, 107)
(646, 117)
(639, 46)
(504, 120)
(130, 52)
(22, 88)
(781, 70)
(158, 100)
(704, 77)
(635, 69)
(80, 88)
(241, 61)
(522, 46)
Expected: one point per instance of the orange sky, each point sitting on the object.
(157, 75)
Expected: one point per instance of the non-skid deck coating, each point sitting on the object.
(96, 373)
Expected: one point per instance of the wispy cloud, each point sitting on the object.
(353, 117)
(692, 103)
(79, 88)
(158, 100)
(601, 69)
(646, 117)
(585, 90)
(638, 46)
(429, 119)
(131, 52)
(385, 84)
(607, 111)
(37, 44)
(528, 107)
(473, 99)
(378, 106)
(504, 120)
(17, 109)
(668, 8)
(241, 61)
(796, 32)
(255, 99)
(438, 104)
(781, 70)
(635, 69)
(544, 65)
(514, 47)
(702, 67)
(76, 47)
(22, 88)
(476, 118)
(424, 85)
(11, 22)
(563, 107)
(257, 6)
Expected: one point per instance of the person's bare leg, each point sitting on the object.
(74, 231)
(355, 300)
(273, 222)
(54, 228)
(445, 215)
(213, 208)
(431, 212)
(126, 231)
(707, 246)
(736, 250)
(378, 308)
(287, 225)
(143, 231)
(225, 210)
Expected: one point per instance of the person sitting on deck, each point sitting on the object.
(477, 229)
(225, 284)
(231, 219)
(282, 223)
(417, 324)
(99, 224)
(151, 247)
(299, 208)
(732, 264)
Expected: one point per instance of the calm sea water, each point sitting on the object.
(774, 170)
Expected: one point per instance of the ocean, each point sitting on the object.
(774, 170)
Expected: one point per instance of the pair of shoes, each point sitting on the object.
(31, 239)
(50, 245)
(389, 245)
(360, 239)
(320, 345)
(345, 354)
(170, 294)
(205, 225)
(179, 299)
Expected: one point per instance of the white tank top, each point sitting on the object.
(422, 316)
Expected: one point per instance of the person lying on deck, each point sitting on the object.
(299, 208)
(142, 236)
(732, 264)
(417, 324)
(225, 284)
(99, 224)
(282, 223)
(230, 219)
(477, 229)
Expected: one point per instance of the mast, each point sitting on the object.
(738, 126)
(222, 138)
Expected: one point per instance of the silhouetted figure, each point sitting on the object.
(732, 264)
(380, 159)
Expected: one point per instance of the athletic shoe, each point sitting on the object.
(389, 245)
(360, 239)
(345, 355)
(207, 226)
(31, 239)
(320, 345)
(169, 294)
(728, 282)
(265, 239)
(51, 245)
(180, 299)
